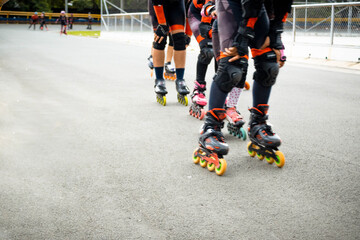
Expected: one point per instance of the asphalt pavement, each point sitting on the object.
(86, 152)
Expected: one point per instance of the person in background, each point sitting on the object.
(34, 20)
(90, 19)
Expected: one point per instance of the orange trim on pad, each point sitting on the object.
(251, 22)
(257, 52)
(177, 27)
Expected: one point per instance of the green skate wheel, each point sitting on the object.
(280, 159)
(251, 152)
(243, 134)
(222, 167)
(196, 159)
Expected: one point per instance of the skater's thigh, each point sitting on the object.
(175, 16)
(194, 21)
(229, 14)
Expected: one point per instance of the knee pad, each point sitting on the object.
(179, 41)
(241, 84)
(205, 55)
(160, 46)
(229, 74)
(266, 68)
(171, 41)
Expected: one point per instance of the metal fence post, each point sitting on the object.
(349, 20)
(123, 23)
(294, 24)
(141, 22)
(132, 23)
(332, 25)
(115, 23)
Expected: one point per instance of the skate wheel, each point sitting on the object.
(259, 156)
(211, 167)
(251, 153)
(243, 134)
(270, 160)
(247, 85)
(280, 159)
(164, 101)
(196, 159)
(197, 114)
(185, 101)
(190, 111)
(203, 163)
(222, 167)
(202, 115)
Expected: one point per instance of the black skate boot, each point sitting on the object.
(212, 144)
(169, 73)
(182, 90)
(160, 90)
(264, 142)
(198, 101)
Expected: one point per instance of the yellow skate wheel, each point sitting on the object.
(186, 102)
(163, 100)
(222, 167)
(270, 160)
(280, 161)
(251, 153)
(196, 159)
(259, 156)
(211, 166)
(203, 163)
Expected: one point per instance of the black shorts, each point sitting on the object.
(174, 15)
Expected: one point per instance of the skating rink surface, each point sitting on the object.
(86, 152)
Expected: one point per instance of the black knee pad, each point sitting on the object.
(241, 84)
(231, 74)
(171, 41)
(179, 41)
(205, 55)
(160, 46)
(266, 68)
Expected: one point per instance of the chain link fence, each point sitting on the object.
(336, 23)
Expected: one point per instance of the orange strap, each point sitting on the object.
(199, 38)
(198, 6)
(257, 52)
(222, 55)
(177, 27)
(285, 17)
(160, 15)
(251, 22)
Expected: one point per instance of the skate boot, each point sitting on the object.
(264, 142)
(235, 123)
(169, 73)
(160, 90)
(212, 146)
(182, 90)
(198, 101)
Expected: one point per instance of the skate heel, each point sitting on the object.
(183, 99)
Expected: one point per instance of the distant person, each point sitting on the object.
(43, 21)
(71, 21)
(34, 20)
(63, 21)
(90, 19)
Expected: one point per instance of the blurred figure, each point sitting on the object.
(71, 21)
(43, 21)
(63, 21)
(89, 21)
(34, 20)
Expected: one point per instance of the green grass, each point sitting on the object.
(95, 34)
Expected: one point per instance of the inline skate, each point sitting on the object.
(198, 101)
(182, 90)
(212, 146)
(151, 65)
(264, 142)
(235, 123)
(160, 90)
(169, 73)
